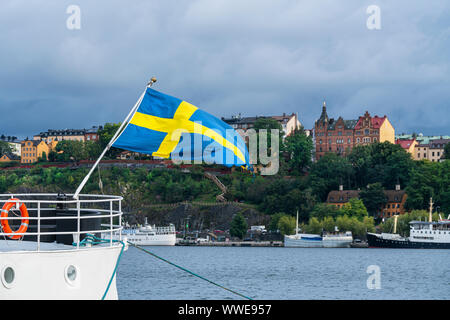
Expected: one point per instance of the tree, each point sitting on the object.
(4, 148)
(287, 224)
(447, 151)
(298, 147)
(354, 208)
(274, 219)
(93, 149)
(71, 150)
(427, 180)
(105, 136)
(238, 226)
(328, 224)
(322, 210)
(385, 162)
(328, 173)
(314, 226)
(373, 198)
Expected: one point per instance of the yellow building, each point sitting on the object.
(409, 145)
(395, 200)
(433, 151)
(32, 150)
(373, 129)
(9, 157)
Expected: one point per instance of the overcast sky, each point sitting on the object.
(226, 57)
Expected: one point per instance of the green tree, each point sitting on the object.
(328, 224)
(105, 136)
(4, 148)
(70, 150)
(298, 148)
(274, 219)
(447, 151)
(384, 162)
(238, 227)
(374, 198)
(354, 208)
(323, 210)
(93, 149)
(314, 226)
(328, 173)
(286, 225)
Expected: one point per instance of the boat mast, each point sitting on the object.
(431, 210)
(296, 227)
(395, 223)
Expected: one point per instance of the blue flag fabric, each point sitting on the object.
(167, 127)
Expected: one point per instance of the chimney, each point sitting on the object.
(341, 187)
(397, 187)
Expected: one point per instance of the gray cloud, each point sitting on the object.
(226, 57)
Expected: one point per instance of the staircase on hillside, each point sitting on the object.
(219, 184)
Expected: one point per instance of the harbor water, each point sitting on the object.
(285, 273)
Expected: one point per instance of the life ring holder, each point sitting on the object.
(5, 224)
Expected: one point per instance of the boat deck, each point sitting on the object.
(32, 246)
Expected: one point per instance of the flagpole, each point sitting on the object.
(113, 139)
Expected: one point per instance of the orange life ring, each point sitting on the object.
(23, 226)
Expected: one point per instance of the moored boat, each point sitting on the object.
(55, 254)
(303, 240)
(148, 235)
(423, 235)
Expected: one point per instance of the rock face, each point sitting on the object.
(212, 217)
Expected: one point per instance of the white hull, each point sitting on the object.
(302, 241)
(338, 242)
(43, 275)
(315, 241)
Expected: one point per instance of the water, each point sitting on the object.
(283, 273)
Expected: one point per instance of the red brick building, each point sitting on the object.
(340, 136)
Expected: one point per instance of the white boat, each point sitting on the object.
(422, 235)
(303, 240)
(56, 255)
(148, 235)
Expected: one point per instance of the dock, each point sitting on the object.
(232, 243)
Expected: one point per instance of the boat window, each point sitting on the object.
(8, 276)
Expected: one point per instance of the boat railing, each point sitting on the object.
(43, 208)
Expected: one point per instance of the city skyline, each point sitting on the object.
(257, 58)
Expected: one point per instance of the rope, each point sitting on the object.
(93, 240)
(188, 271)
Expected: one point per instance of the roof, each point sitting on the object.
(69, 132)
(394, 195)
(342, 196)
(251, 120)
(10, 156)
(348, 124)
(421, 139)
(335, 196)
(35, 142)
(376, 121)
(439, 143)
(405, 144)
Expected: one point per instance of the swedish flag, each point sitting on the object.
(167, 127)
